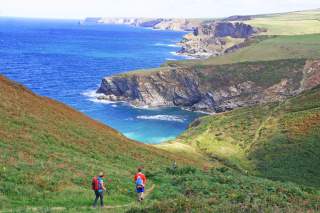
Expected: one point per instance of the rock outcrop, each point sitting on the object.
(215, 38)
(213, 88)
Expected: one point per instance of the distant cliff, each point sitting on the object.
(213, 88)
(155, 23)
(216, 38)
(208, 37)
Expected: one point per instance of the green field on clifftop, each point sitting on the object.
(292, 23)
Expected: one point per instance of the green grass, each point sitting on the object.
(187, 189)
(279, 141)
(293, 23)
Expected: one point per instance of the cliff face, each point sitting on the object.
(213, 88)
(215, 38)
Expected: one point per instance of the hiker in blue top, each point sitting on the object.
(98, 187)
(140, 181)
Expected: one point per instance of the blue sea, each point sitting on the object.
(66, 61)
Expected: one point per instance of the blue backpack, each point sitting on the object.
(139, 181)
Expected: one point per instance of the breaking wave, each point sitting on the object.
(93, 96)
(166, 45)
(162, 118)
(171, 59)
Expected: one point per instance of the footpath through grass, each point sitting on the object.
(187, 189)
(50, 152)
(221, 189)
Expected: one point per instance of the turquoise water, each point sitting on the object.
(66, 61)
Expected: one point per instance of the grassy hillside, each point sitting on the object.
(292, 23)
(49, 153)
(280, 141)
(224, 190)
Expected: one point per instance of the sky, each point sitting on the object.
(79, 9)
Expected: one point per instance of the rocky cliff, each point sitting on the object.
(215, 38)
(213, 88)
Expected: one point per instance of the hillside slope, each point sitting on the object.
(49, 153)
(280, 140)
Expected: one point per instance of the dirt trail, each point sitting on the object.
(60, 208)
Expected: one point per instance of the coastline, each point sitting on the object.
(202, 38)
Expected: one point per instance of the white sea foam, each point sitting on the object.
(174, 53)
(172, 45)
(138, 107)
(94, 97)
(100, 101)
(171, 59)
(166, 45)
(162, 118)
(159, 44)
(189, 57)
(91, 94)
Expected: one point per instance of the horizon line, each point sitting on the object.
(141, 17)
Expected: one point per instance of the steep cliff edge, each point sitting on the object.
(213, 88)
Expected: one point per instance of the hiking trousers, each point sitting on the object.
(98, 195)
(140, 192)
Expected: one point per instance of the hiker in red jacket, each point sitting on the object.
(140, 181)
(98, 188)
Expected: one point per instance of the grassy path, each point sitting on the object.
(262, 126)
(61, 208)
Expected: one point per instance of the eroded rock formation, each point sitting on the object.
(213, 88)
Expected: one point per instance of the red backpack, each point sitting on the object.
(95, 184)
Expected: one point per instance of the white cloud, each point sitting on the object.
(148, 8)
